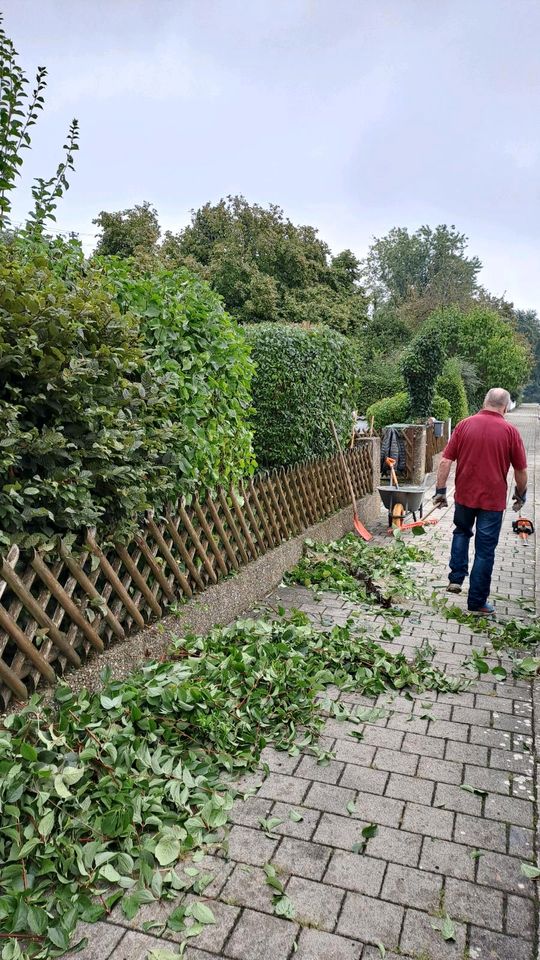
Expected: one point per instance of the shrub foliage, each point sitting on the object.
(422, 364)
(389, 410)
(305, 376)
(450, 385)
(94, 427)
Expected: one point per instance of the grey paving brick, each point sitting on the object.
(250, 846)
(213, 936)
(251, 811)
(509, 810)
(316, 904)
(520, 918)
(514, 724)
(411, 887)
(279, 761)
(338, 831)
(328, 797)
(366, 779)
(444, 771)
(449, 731)
(509, 760)
(424, 746)
(504, 873)
(474, 904)
(376, 809)
(259, 937)
(318, 945)
(466, 753)
(521, 842)
(102, 939)
(370, 920)
(428, 821)
(247, 887)
(494, 701)
(451, 797)
(485, 945)
(410, 788)
(501, 739)
(135, 946)
(447, 858)
(478, 832)
(302, 858)
(408, 724)
(351, 752)
(395, 761)
(383, 737)
(356, 872)
(290, 828)
(494, 781)
(328, 772)
(398, 846)
(277, 786)
(420, 939)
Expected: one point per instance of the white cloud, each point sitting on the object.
(168, 71)
(524, 154)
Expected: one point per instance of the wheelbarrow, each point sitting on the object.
(402, 500)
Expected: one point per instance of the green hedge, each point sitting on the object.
(422, 364)
(304, 377)
(440, 408)
(389, 410)
(451, 386)
(103, 413)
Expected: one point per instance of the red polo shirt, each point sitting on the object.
(484, 446)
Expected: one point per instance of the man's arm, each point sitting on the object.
(439, 500)
(520, 476)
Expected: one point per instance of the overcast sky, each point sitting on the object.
(353, 115)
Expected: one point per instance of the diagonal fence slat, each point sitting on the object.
(61, 606)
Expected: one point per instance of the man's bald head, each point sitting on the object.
(497, 399)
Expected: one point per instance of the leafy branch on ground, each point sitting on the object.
(359, 571)
(105, 794)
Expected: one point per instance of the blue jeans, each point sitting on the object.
(488, 528)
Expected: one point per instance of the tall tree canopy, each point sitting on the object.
(265, 267)
(528, 324)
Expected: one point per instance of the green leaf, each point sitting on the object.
(530, 871)
(109, 873)
(370, 831)
(176, 920)
(163, 953)
(167, 851)
(380, 946)
(46, 824)
(200, 912)
(295, 816)
(476, 790)
(447, 928)
(61, 788)
(351, 807)
(283, 907)
(28, 752)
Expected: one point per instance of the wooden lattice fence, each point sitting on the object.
(57, 607)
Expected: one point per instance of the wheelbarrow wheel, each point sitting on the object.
(397, 515)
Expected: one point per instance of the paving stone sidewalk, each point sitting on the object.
(438, 849)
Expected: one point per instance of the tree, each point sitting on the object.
(18, 114)
(430, 263)
(267, 269)
(527, 324)
(128, 233)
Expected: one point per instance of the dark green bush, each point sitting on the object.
(95, 425)
(304, 377)
(450, 385)
(380, 377)
(440, 408)
(422, 364)
(389, 410)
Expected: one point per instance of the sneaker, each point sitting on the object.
(454, 588)
(487, 610)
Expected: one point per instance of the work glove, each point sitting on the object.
(439, 500)
(518, 500)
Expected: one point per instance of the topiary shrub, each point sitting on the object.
(440, 408)
(422, 364)
(451, 386)
(389, 410)
(304, 377)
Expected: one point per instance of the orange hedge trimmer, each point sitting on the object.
(523, 527)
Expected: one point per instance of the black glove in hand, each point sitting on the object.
(518, 500)
(439, 500)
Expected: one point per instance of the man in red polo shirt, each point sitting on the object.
(484, 447)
